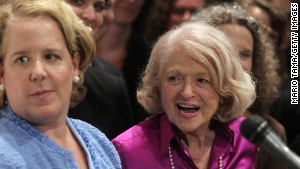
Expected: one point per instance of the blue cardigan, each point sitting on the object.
(22, 146)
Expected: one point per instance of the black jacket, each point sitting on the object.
(106, 105)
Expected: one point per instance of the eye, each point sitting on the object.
(99, 6)
(244, 54)
(202, 82)
(175, 79)
(22, 59)
(51, 57)
(76, 2)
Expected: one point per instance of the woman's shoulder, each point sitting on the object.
(233, 131)
(84, 126)
(89, 132)
(139, 132)
(21, 144)
(235, 124)
(140, 141)
(102, 150)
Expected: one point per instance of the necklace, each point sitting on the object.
(171, 158)
(220, 162)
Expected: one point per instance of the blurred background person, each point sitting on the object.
(276, 15)
(285, 7)
(257, 56)
(124, 48)
(166, 14)
(288, 114)
(44, 51)
(107, 104)
(274, 22)
(196, 90)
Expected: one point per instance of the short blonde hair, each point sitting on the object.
(78, 37)
(211, 47)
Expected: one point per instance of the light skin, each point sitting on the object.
(260, 14)
(183, 10)
(108, 17)
(285, 7)
(243, 41)
(90, 11)
(190, 102)
(126, 11)
(263, 17)
(108, 14)
(37, 72)
(113, 46)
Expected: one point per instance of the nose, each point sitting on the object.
(38, 73)
(187, 89)
(108, 16)
(89, 15)
(186, 16)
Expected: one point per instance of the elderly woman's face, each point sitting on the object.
(187, 94)
(38, 70)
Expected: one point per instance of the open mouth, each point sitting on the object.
(188, 109)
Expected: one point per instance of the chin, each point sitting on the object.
(44, 112)
(186, 128)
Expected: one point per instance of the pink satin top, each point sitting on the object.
(146, 146)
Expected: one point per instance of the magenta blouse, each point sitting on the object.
(146, 146)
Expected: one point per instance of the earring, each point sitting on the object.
(2, 87)
(76, 79)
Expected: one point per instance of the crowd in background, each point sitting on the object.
(157, 17)
(125, 33)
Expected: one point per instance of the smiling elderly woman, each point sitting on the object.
(196, 89)
(44, 51)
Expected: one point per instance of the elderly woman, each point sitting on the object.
(44, 51)
(257, 56)
(197, 91)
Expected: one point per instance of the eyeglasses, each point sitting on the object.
(181, 10)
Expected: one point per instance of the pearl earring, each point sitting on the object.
(76, 79)
(2, 87)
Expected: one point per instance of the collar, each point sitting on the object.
(223, 142)
(167, 133)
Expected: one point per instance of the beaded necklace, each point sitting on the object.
(171, 158)
(220, 162)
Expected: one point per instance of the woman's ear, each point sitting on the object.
(76, 62)
(1, 73)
